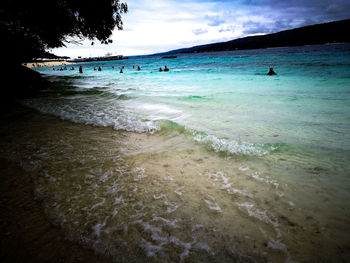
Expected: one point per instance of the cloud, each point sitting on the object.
(199, 31)
(333, 9)
(251, 28)
(153, 26)
(227, 29)
(214, 20)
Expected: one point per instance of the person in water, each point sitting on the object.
(138, 68)
(80, 69)
(160, 69)
(271, 72)
(166, 68)
(121, 70)
(99, 69)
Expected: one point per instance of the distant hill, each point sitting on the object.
(333, 32)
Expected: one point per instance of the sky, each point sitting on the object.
(153, 26)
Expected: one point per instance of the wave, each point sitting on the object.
(194, 98)
(223, 146)
(90, 112)
(101, 91)
(98, 91)
(234, 147)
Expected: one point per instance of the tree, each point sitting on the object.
(29, 28)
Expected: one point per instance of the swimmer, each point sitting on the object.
(271, 72)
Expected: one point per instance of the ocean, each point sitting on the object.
(213, 161)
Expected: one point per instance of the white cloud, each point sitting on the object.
(153, 26)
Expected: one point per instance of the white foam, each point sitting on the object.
(276, 244)
(243, 168)
(150, 248)
(178, 191)
(261, 215)
(239, 192)
(171, 207)
(99, 204)
(156, 197)
(140, 173)
(204, 246)
(232, 146)
(256, 176)
(159, 107)
(115, 211)
(118, 200)
(151, 228)
(213, 205)
(103, 178)
(169, 178)
(97, 228)
(93, 112)
(219, 176)
(171, 223)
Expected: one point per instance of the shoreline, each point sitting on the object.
(27, 234)
(120, 193)
(36, 64)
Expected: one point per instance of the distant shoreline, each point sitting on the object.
(37, 64)
(319, 34)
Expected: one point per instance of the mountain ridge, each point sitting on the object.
(331, 32)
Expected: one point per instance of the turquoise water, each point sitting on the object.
(228, 95)
(283, 141)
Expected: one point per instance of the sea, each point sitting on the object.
(212, 161)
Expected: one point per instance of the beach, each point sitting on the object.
(27, 234)
(211, 161)
(36, 64)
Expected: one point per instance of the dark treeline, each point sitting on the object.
(29, 28)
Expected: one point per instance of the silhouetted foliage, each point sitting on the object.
(28, 28)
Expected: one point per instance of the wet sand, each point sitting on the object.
(27, 235)
(142, 197)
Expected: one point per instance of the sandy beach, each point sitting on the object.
(181, 166)
(46, 63)
(27, 235)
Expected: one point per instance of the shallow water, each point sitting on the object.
(212, 161)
